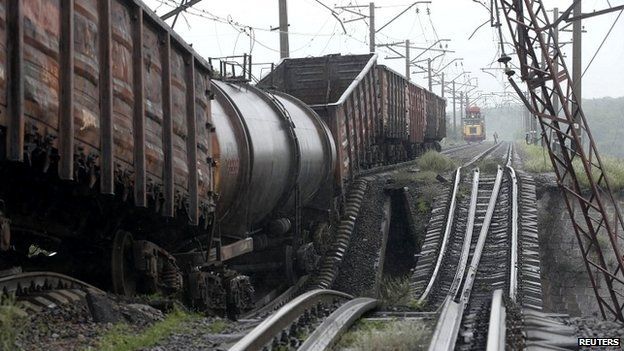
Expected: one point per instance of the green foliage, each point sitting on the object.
(395, 291)
(12, 322)
(535, 158)
(390, 336)
(218, 326)
(435, 162)
(123, 337)
(614, 168)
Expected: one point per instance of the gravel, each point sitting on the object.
(71, 326)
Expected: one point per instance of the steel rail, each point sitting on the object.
(330, 331)
(455, 148)
(478, 250)
(22, 283)
(282, 299)
(271, 327)
(481, 155)
(513, 265)
(447, 328)
(445, 238)
(465, 253)
(497, 326)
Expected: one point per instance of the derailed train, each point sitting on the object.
(124, 154)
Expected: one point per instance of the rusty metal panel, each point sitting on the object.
(416, 114)
(123, 91)
(86, 75)
(191, 142)
(167, 127)
(152, 81)
(140, 182)
(66, 116)
(431, 128)
(15, 82)
(178, 119)
(106, 97)
(204, 129)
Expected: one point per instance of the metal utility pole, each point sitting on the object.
(429, 74)
(283, 29)
(371, 27)
(461, 105)
(556, 44)
(577, 70)
(442, 92)
(454, 118)
(407, 59)
(599, 225)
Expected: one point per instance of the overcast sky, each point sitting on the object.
(314, 32)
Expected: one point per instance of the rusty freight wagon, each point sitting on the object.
(343, 90)
(105, 116)
(435, 129)
(395, 122)
(376, 116)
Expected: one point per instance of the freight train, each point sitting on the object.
(127, 161)
(473, 125)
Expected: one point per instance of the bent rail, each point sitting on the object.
(271, 327)
(330, 331)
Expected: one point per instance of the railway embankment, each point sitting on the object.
(566, 286)
(564, 277)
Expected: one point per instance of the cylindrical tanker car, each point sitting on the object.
(125, 154)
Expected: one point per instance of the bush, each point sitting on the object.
(435, 162)
(12, 322)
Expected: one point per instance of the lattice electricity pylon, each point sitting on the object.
(598, 234)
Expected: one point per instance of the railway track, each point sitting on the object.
(327, 313)
(36, 291)
(485, 262)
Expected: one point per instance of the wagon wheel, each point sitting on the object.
(122, 263)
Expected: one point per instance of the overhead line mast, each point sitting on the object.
(599, 235)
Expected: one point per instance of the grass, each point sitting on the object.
(488, 165)
(536, 160)
(123, 337)
(395, 291)
(12, 322)
(435, 162)
(218, 326)
(386, 336)
(614, 168)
